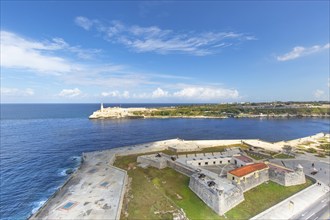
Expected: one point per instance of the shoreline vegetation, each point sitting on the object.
(222, 111)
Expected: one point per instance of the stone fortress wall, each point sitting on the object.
(219, 200)
(253, 180)
(219, 193)
(286, 177)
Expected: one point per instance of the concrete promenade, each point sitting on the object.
(95, 191)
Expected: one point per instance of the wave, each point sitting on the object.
(37, 205)
(66, 171)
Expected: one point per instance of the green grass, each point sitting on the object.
(255, 156)
(325, 146)
(311, 150)
(154, 193)
(308, 143)
(324, 140)
(262, 197)
(283, 156)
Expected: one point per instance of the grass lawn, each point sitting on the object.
(263, 197)
(283, 156)
(154, 194)
(255, 156)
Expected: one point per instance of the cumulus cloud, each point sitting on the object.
(319, 93)
(83, 22)
(70, 93)
(16, 92)
(191, 93)
(159, 93)
(164, 41)
(116, 94)
(300, 51)
(206, 93)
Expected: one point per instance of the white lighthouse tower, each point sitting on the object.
(102, 107)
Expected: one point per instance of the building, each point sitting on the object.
(223, 192)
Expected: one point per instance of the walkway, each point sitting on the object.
(95, 191)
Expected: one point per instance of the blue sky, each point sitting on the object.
(131, 52)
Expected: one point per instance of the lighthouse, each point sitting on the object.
(101, 107)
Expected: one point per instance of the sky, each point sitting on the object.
(164, 52)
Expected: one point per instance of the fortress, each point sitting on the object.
(117, 112)
(220, 179)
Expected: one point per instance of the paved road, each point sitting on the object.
(320, 209)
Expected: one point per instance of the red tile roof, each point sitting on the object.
(243, 158)
(242, 171)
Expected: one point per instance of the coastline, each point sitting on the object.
(100, 163)
(214, 117)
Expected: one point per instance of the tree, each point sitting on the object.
(287, 149)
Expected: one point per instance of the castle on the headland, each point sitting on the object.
(220, 179)
(118, 112)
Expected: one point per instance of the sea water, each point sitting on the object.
(39, 142)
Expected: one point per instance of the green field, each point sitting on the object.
(155, 194)
(283, 156)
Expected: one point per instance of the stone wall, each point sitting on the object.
(208, 162)
(216, 199)
(254, 179)
(230, 199)
(295, 178)
(177, 150)
(277, 177)
(188, 171)
(209, 195)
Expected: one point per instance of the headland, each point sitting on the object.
(221, 111)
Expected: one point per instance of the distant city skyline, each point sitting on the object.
(164, 52)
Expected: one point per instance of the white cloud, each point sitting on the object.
(164, 41)
(319, 93)
(192, 93)
(116, 94)
(300, 51)
(159, 93)
(70, 93)
(38, 57)
(206, 93)
(16, 92)
(83, 22)
(20, 53)
(16, 52)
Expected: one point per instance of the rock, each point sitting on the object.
(69, 171)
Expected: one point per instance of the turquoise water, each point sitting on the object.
(39, 142)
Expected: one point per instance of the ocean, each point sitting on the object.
(39, 142)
